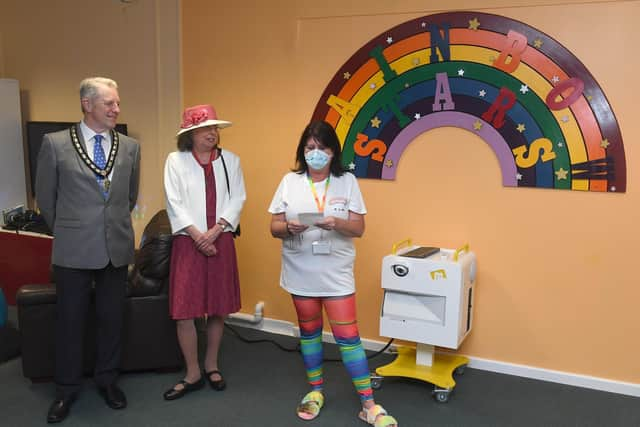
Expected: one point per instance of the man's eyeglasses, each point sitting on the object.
(111, 104)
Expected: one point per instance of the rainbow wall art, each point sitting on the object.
(534, 103)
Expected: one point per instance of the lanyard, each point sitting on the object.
(315, 194)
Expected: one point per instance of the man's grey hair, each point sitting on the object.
(89, 87)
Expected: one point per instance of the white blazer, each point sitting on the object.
(185, 193)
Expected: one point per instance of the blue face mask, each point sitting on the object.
(317, 159)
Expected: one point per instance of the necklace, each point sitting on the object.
(90, 163)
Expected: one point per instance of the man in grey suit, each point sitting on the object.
(86, 187)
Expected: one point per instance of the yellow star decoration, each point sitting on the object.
(347, 75)
(561, 173)
(375, 122)
(474, 24)
(605, 143)
(537, 43)
(521, 127)
(477, 125)
(389, 163)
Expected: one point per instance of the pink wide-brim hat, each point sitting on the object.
(200, 116)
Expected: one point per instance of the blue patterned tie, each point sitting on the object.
(100, 160)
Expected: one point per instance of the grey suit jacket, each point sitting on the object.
(88, 230)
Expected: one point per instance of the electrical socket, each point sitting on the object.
(295, 332)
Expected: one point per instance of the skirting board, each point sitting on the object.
(560, 377)
(282, 327)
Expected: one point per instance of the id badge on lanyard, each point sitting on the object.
(321, 246)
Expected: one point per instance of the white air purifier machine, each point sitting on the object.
(428, 299)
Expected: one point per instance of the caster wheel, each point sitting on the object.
(460, 370)
(376, 382)
(441, 396)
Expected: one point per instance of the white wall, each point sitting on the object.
(13, 190)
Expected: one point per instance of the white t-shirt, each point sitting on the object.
(304, 273)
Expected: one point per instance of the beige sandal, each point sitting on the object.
(309, 407)
(377, 417)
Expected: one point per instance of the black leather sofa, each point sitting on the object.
(149, 336)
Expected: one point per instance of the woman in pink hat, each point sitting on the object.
(204, 189)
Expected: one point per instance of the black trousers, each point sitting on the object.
(73, 289)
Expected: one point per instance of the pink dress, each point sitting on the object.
(198, 284)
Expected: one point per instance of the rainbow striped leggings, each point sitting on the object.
(341, 312)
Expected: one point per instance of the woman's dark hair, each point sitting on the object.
(185, 142)
(323, 133)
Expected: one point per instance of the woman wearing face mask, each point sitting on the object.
(317, 263)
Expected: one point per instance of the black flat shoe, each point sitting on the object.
(217, 385)
(59, 410)
(113, 396)
(173, 394)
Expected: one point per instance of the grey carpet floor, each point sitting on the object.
(265, 384)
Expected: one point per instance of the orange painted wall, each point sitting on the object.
(556, 287)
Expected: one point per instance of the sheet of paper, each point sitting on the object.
(310, 218)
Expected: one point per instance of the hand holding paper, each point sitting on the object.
(310, 218)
